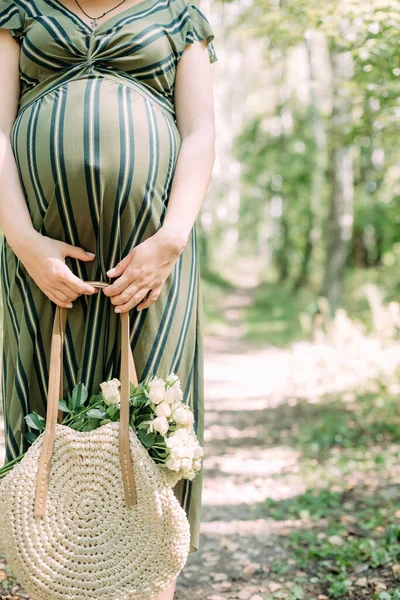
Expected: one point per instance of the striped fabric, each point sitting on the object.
(96, 143)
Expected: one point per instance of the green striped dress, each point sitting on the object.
(96, 143)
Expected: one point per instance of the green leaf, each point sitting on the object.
(77, 425)
(78, 421)
(79, 395)
(113, 411)
(298, 592)
(160, 452)
(35, 421)
(96, 413)
(145, 413)
(94, 398)
(30, 436)
(143, 425)
(92, 424)
(62, 405)
(147, 439)
(158, 459)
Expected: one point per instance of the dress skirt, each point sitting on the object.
(105, 195)
(96, 143)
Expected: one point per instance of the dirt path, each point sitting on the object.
(254, 410)
(235, 537)
(231, 561)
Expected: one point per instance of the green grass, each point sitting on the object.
(214, 291)
(274, 316)
(346, 524)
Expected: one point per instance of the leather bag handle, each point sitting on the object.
(55, 390)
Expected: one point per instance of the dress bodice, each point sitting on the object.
(140, 46)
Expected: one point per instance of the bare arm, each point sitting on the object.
(42, 256)
(194, 102)
(145, 269)
(15, 220)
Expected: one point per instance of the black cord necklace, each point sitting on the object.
(93, 20)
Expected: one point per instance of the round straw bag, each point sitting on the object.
(90, 514)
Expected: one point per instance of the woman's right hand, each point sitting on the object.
(44, 259)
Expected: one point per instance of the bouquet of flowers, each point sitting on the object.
(162, 421)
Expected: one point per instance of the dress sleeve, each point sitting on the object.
(10, 18)
(199, 28)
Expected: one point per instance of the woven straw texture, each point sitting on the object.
(90, 544)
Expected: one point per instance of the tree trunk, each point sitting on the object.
(341, 210)
(204, 246)
(234, 107)
(313, 232)
(303, 277)
(283, 252)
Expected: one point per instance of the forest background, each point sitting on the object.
(300, 247)
(300, 255)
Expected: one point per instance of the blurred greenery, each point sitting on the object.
(308, 188)
(348, 518)
(312, 181)
(306, 195)
(274, 315)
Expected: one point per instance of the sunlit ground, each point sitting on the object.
(302, 464)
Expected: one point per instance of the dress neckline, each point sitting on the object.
(122, 14)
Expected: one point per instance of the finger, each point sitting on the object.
(134, 300)
(49, 293)
(152, 297)
(121, 266)
(120, 285)
(71, 295)
(61, 297)
(132, 290)
(76, 284)
(76, 252)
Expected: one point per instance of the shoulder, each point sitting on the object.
(185, 8)
(12, 17)
(196, 26)
(9, 11)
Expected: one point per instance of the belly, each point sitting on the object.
(96, 159)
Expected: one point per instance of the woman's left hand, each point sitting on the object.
(143, 271)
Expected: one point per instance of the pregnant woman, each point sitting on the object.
(106, 152)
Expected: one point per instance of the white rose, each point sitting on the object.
(198, 452)
(193, 438)
(157, 390)
(173, 394)
(110, 391)
(172, 464)
(160, 424)
(188, 451)
(176, 404)
(183, 416)
(178, 452)
(178, 438)
(163, 409)
(171, 441)
(172, 379)
(197, 465)
(186, 464)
